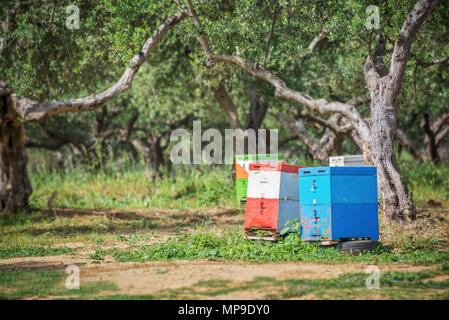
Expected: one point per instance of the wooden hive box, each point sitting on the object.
(347, 161)
(338, 203)
(242, 162)
(272, 197)
(351, 161)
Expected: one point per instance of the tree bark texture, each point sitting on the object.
(15, 187)
(397, 201)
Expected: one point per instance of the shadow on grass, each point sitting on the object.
(114, 222)
(137, 215)
(36, 266)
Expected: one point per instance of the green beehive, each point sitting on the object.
(242, 162)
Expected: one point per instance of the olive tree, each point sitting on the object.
(383, 83)
(15, 187)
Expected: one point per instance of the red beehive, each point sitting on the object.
(273, 196)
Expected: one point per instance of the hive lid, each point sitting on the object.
(337, 171)
(274, 167)
(354, 157)
(259, 156)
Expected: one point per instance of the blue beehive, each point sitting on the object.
(338, 202)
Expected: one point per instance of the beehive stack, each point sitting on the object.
(351, 161)
(242, 163)
(338, 203)
(347, 161)
(272, 197)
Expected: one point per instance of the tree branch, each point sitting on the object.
(297, 126)
(440, 123)
(281, 89)
(424, 65)
(402, 46)
(227, 105)
(79, 142)
(314, 43)
(441, 135)
(50, 145)
(123, 133)
(433, 62)
(407, 144)
(320, 149)
(270, 35)
(196, 20)
(180, 122)
(332, 123)
(7, 26)
(35, 111)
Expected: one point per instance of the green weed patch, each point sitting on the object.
(232, 246)
(33, 251)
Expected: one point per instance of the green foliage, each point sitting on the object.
(427, 179)
(231, 245)
(127, 186)
(130, 188)
(31, 251)
(294, 225)
(42, 55)
(445, 267)
(413, 243)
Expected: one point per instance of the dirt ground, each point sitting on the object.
(155, 277)
(185, 279)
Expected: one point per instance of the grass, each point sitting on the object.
(426, 180)
(32, 251)
(409, 285)
(130, 189)
(123, 217)
(190, 187)
(95, 207)
(127, 187)
(392, 285)
(230, 245)
(44, 284)
(43, 229)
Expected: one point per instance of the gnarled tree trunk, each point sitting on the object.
(15, 187)
(397, 201)
(155, 161)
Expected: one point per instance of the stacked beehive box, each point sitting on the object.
(338, 203)
(242, 163)
(272, 197)
(347, 161)
(351, 161)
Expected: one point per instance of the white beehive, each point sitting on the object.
(347, 161)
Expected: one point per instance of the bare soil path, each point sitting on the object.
(154, 278)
